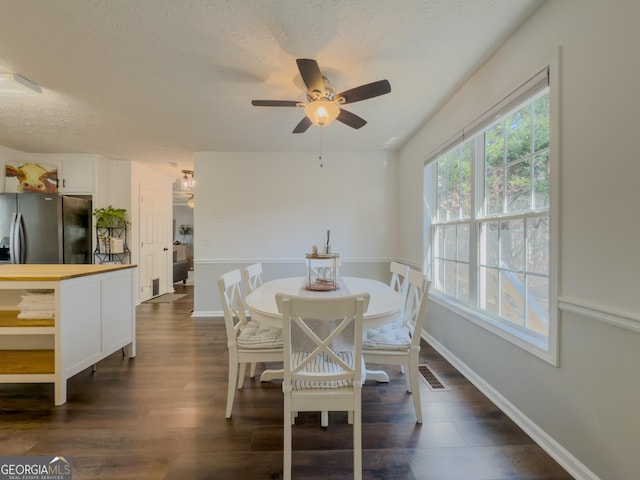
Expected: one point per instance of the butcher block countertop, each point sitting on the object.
(36, 272)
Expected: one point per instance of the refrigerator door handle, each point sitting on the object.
(12, 239)
(16, 239)
(20, 240)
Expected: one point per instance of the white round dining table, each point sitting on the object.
(385, 304)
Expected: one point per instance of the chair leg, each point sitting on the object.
(286, 464)
(231, 388)
(252, 371)
(357, 443)
(243, 369)
(415, 386)
(324, 418)
(408, 376)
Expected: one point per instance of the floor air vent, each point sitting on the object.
(431, 379)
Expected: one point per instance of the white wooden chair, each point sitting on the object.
(323, 366)
(399, 282)
(399, 343)
(252, 279)
(248, 342)
(252, 276)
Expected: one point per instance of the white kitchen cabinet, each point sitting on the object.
(76, 172)
(78, 175)
(94, 317)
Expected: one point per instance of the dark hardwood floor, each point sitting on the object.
(161, 416)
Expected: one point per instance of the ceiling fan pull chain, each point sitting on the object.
(320, 156)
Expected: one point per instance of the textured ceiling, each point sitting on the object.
(156, 80)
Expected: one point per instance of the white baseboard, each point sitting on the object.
(205, 313)
(561, 455)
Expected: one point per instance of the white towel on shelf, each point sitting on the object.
(35, 315)
(44, 303)
(37, 304)
(37, 300)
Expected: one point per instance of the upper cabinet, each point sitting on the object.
(76, 174)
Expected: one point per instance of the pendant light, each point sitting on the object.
(188, 182)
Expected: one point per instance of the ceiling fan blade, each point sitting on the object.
(311, 75)
(364, 92)
(351, 119)
(303, 126)
(274, 103)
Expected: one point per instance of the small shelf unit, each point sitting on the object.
(111, 246)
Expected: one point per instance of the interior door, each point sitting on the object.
(154, 243)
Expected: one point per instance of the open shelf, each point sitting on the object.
(22, 362)
(9, 318)
(93, 312)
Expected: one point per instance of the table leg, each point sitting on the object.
(378, 375)
(269, 375)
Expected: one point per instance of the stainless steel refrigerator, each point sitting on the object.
(44, 228)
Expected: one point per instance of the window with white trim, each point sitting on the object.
(488, 217)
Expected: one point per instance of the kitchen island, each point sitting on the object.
(57, 320)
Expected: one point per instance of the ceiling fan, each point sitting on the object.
(323, 105)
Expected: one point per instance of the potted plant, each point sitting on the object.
(110, 217)
(107, 218)
(185, 231)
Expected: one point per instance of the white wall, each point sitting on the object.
(584, 411)
(273, 206)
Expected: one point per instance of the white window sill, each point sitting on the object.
(530, 343)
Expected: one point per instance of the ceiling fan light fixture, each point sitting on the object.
(321, 112)
(324, 104)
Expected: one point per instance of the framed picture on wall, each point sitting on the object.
(31, 177)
